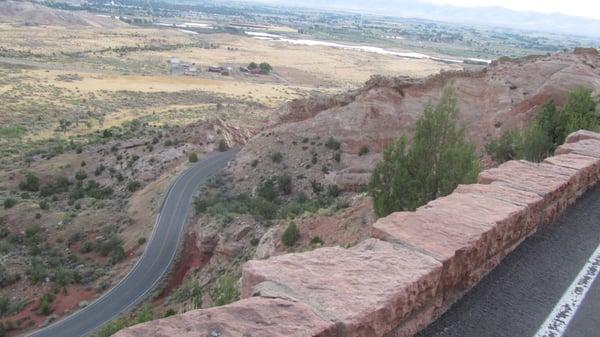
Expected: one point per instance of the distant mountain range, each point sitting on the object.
(489, 16)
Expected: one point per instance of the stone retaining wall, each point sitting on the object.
(415, 266)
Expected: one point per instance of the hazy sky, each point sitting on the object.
(587, 8)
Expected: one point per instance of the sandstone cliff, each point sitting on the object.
(502, 96)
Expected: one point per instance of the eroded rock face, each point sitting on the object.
(367, 289)
(253, 317)
(503, 96)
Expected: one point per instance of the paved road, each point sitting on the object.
(160, 252)
(515, 299)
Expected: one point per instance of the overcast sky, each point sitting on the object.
(586, 8)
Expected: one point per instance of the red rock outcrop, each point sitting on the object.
(502, 96)
(417, 264)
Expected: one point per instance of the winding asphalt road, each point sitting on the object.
(158, 256)
(518, 297)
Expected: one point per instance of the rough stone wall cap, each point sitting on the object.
(367, 289)
(252, 317)
(581, 135)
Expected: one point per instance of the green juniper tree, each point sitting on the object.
(439, 159)
(547, 130)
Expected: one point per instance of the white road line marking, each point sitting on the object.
(557, 322)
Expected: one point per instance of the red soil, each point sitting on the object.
(30, 317)
(191, 258)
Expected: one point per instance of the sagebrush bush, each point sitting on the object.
(291, 234)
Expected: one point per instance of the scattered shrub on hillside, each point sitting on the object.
(201, 204)
(439, 159)
(196, 295)
(254, 163)
(363, 151)
(316, 241)
(133, 186)
(9, 203)
(7, 279)
(113, 327)
(99, 169)
(548, 129)
(31, 183)
(333, 190)
(290, 235)
(265, 68)
(46, 304)
(193, 157)
(226, 292)
(266, 189)
(80, 175)
(284, 182)
(141, 241)
(112, 247)
(536, 145)
(263, 208)
(316, 186)
(4, 305)
(86, 247)
(315, 158)
(578, 113)
(59, 185)
(44, 205)
(63, 277)
(36, 272)
(277, 157)
(223, 145)
(504, 148)
(333, 144)
(145, 314)
(337, 157)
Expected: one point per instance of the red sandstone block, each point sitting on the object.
(250, 317)
(555, 188)
(533, 203)
(458, 243)
(507, 219)
(588, 168)
(581, 135)
(369, 290)
(585, 147)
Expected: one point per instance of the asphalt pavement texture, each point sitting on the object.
(161, 250)
(514, 299)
